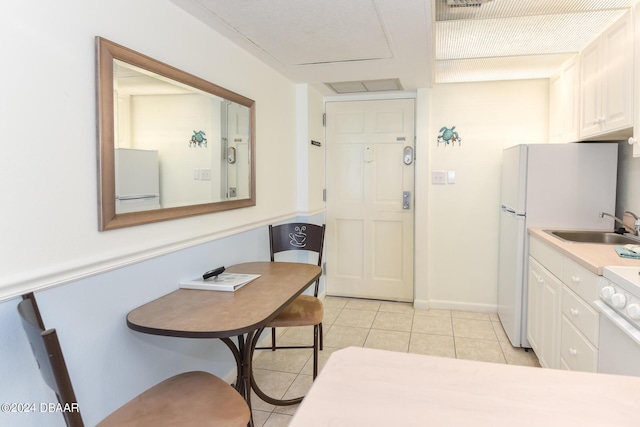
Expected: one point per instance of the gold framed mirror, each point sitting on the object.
(171, 145)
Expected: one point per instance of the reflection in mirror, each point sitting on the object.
(171, 144)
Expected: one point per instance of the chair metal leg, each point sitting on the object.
(316, 341)
(321, 337)
(273, 339)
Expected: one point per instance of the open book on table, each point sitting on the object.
(229, 282)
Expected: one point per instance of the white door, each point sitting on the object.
(370, 189)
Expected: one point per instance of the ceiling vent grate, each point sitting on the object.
(365, 86)
(466, 3)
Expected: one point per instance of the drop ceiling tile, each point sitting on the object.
(298, 32)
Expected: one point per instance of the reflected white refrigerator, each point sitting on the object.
(554, 186)
(137, 180)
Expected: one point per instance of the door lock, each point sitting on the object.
(407, 155)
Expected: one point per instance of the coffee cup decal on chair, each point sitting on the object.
(299, 238)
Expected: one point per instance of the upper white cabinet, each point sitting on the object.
(564, 97)
(636, 82)
(606, 79)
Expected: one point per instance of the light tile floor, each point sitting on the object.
(383, 325)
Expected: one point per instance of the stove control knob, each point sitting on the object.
(618, 300)
(634, 311)
(607, 292)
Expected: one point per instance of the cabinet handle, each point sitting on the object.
(575, 279)
(573, 352)
(574, 311)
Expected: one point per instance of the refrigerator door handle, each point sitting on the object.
(510, 212)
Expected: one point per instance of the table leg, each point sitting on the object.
(243, 367)
(254, 385)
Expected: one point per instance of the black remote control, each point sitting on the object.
(212, 273)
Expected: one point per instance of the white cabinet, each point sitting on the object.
(636, 82)
(606, 79)
(563, 326)
(544, 314)
(580, 321)
(564, 97)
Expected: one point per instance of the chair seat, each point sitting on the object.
(189, 399)
(305, 310)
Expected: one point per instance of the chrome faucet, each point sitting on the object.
(621, 222)
(636, 222)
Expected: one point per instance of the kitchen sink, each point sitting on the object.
(601, 237)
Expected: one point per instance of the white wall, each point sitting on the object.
(48, 223)
(628, 195)
(48, 166)
(463, 220)
(311, 158)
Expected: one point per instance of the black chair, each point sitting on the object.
(188, 399)
(305, 310)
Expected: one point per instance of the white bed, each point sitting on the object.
(365, 387)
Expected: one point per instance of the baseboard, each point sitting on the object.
(421, 304)
(458, 306)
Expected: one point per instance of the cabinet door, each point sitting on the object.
(590, 92)
(544, 314)
(534, 307)
(617, 75)
(551, 317)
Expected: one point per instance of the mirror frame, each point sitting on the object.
(107, 51)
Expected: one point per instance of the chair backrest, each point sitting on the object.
(297, 236)
(48, 354)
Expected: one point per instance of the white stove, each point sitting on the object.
(621, 292)
(619, 307)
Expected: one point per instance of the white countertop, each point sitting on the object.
(592, 256)
(376, 388)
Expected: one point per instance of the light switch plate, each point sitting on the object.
(451, 177)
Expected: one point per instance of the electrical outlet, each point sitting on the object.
(438, 177)
(205, 174)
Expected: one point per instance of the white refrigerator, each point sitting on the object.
(547, 185)
(137, 180)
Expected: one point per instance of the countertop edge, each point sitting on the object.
(594, 257)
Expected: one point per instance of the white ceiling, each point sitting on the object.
(418, 42)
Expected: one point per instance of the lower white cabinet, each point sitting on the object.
(563, 326)
(544, 314)
(578, 354)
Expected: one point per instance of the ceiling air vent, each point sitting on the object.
(365, 86)
(466, 3)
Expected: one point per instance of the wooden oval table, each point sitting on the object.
(242, 314)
